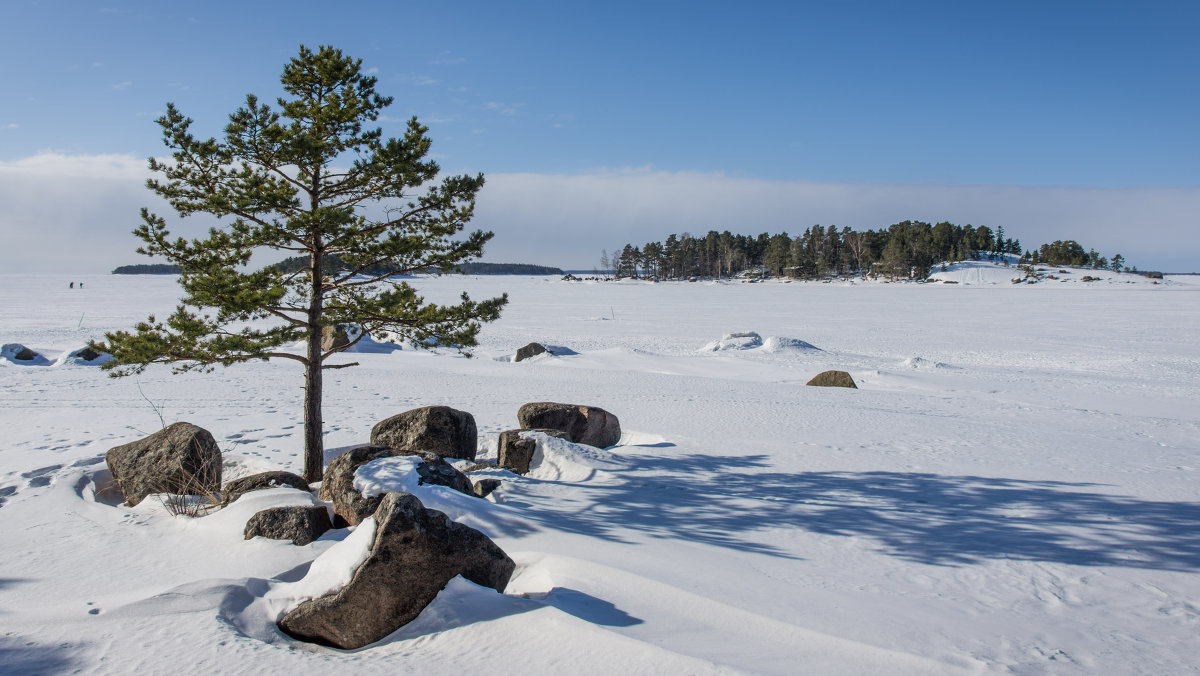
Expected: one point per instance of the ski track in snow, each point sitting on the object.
(1013, 488)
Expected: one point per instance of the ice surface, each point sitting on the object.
(1012, 488)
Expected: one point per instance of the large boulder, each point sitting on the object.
(440, 429)
(416, 552)
(334, 337)
(530, 350)
(236, 488)
(516, 452)
(832, 379)
(299, 524)
(350, 507)
(180, 458)
(580, 424)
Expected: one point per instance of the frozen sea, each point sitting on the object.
(1013, 488)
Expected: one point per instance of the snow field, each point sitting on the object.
(1013, 488)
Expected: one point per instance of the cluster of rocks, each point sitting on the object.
(578, 424)
(416, 551)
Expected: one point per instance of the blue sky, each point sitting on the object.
(677, 116)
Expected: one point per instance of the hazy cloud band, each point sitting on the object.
(76, 212)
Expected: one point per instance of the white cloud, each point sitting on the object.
(447, 59)
(11, 125)
(123, 85)
(78, 211)
(418, 80)
(503, 108)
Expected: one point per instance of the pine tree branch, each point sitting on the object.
(288, 355)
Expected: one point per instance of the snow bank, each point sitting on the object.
(399, 474)
(328, 573)
(560, 460)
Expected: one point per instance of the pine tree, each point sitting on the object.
(307, 178)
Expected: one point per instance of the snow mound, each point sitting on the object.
(780, 344)
(749, 340)
(79, 358)
(368, 345)
(745, 340)
(560, 460)
(922, 364)
(10, 353)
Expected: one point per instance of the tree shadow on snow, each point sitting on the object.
(30, 658)
(928, 518)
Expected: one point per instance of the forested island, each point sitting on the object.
(147, 269)
(905, 250)
(335, 265)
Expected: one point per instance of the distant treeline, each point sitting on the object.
(506, 269)
(147, 269)
(904, 250)
(334, 264)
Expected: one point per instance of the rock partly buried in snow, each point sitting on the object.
(236, 488)
(484, 487)
(180, 458)
(84, 356)
(19, 354)
(415, 553)
(530, 350)
(832, 379)
(516, 451)
(440, 429)
(350, 507)
(580, 424)
(745, 340)
(300, 524)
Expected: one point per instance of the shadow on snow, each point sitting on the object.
(928, 518)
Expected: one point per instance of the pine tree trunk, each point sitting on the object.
(314, 445)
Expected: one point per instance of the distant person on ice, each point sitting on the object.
(72, 285)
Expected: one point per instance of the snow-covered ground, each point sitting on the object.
(1013, 489)
(1006, 270)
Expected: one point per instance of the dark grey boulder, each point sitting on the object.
(236, 488)
(484, 487)
(517, 453)
(299, 524)
(440, 429)
(530, 350)
(26, 354)
(581, 424)
(180, 458)
(86, 354)
(832, 379)
(350, 507)
(416, 552)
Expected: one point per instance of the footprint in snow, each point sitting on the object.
(41, 476)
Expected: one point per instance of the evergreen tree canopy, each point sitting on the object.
(308, 177)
